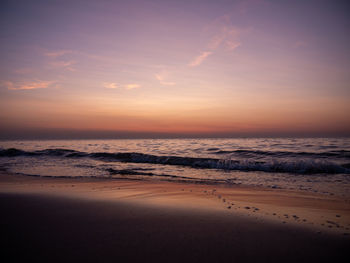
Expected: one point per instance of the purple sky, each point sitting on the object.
(174, 68)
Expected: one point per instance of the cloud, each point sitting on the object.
(231, 45)
(113, 85)
(132, 86)
(67, 65)
(222, 35)
(199, 59)
(216, 41)
(59, 53)
(110, 85)
(58, 59)
(161, 77)
(28, 86)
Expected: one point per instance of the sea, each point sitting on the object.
(317, 165)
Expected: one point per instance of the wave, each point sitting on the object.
(334, 154)
(298, 166)
(133, 172)
(126, 172)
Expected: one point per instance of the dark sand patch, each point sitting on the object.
(58, 229)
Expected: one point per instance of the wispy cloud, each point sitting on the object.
(162, 76)
(113, 85)
(67, 65)
(28, 85)
(231, 45)
(58, 53)
(132, 86)
(222, 35)
(110, 85)
(199, 59)
(61, 59)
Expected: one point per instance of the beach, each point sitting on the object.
(175, 131)
(100, 220)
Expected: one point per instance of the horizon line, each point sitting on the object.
(65, 134)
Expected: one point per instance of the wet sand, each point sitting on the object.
(99, 220)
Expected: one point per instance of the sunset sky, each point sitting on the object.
(174, 68)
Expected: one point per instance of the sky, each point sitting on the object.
(163, 68)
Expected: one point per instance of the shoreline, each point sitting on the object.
(109, 220)
(320, 213)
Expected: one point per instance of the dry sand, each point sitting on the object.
(103, 220)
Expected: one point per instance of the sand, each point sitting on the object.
(102, 220)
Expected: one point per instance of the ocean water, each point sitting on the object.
(320, 165)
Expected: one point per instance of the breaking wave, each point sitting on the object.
(287, 164)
